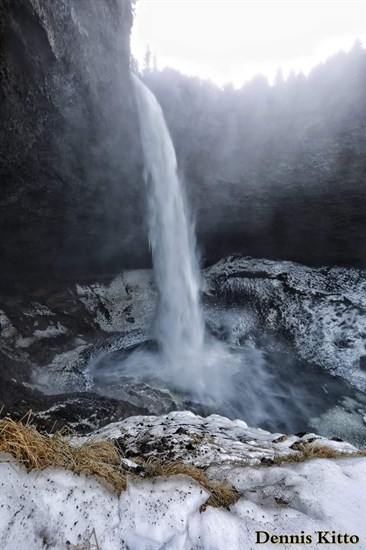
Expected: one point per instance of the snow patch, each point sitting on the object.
(59, 509)
(127, 302)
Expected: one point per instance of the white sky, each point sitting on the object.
(232, 40)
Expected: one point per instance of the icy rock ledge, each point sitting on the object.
(203, 442)
(322, 310)
(58, 509)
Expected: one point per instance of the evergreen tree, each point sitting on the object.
(147, 61)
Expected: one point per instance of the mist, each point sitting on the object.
(279, 168)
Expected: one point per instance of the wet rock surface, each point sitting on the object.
(51, 333)
(69, 141)
(81, 412)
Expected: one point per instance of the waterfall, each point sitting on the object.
(179, 325)
(187, 360)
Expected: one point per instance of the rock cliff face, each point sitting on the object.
(69, 140)
(308, 206)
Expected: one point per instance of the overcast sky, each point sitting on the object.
(232, 40)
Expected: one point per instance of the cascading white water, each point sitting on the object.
(187, 361)
(179, 327)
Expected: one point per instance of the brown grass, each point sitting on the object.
(306, 451)
(222, 493)
(100, 458)
(37, 451)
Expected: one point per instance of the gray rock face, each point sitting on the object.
(60, 327)
(322, 310)
(49, 335)
(308, 205)
(69, 141)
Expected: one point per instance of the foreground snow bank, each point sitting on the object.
(58, 509)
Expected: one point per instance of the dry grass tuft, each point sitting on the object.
(99, 458)
(37, 451)
(308, 452)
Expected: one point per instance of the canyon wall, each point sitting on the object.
(71, 199)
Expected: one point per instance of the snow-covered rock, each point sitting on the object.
(323, 310)
(48, 335)
(129, 299)
(204, 441)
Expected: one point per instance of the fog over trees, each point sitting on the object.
(272, 169)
